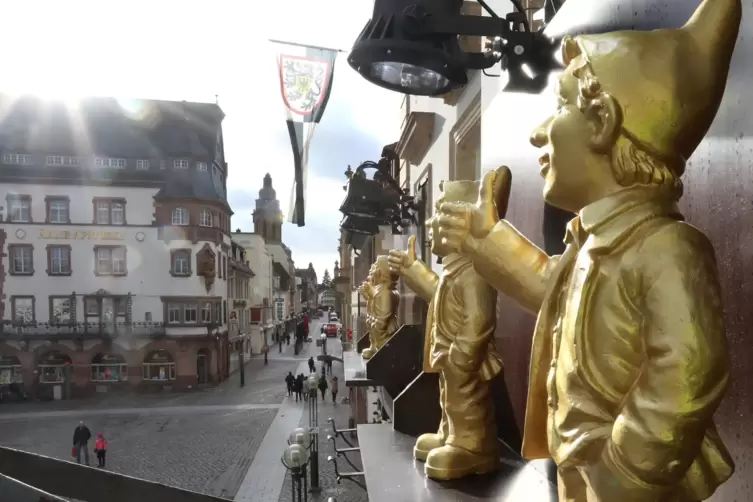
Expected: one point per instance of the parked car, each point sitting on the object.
(330, 330)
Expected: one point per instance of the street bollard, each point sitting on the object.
(243, 369)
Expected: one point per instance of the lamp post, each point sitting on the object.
(312, 383)
(294, 458)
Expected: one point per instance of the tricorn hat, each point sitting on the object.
(669, 82)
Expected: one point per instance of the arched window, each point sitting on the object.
(10, 370)
(52, 367)
(205, 218)
(159, 366)
(109, 368)
(180, 216)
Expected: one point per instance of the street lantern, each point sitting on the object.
(410, 46)
(313, 382)
(295, 457)
(301, 436)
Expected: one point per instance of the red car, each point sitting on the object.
(330, 329)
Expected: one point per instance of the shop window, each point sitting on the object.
(193, 311)
(159, 366)
(61, 309)
(10, 370)
(22, 309)
(52, 367)
(109, 368)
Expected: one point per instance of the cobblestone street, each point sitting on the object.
(204, 440)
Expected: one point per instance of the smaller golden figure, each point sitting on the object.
(459, 345)
(382, 302)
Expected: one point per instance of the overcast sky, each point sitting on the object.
(193, 50)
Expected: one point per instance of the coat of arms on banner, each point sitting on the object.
(304, 83)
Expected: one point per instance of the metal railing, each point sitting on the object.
(353, 475)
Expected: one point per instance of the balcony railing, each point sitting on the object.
(14, 330)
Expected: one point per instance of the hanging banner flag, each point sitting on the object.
(305, 83)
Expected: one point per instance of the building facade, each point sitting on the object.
(307, 288)
(268, 220)
(239, 280)
(117, 244)
(261, 321)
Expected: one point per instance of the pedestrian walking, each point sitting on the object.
(81, 437)
(100, 448)
(312, 366)
(333, 389)
(324, 370)
(329, 365)
(289, 381)
(304, 390)
(298, 387)
(323, 385)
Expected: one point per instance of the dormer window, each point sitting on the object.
(180, 216)
(63, 161)
(201, 166)
(109, 163)
(205, 218)
(180, 164)
(17, 159)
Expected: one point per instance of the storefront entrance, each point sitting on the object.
(202, 366)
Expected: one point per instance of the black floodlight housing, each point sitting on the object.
(356, 225)
(375, 199)
(356, 241)
(411, 46)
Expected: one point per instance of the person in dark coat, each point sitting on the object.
(323, 385)
(289, 381)
(298, 388)
(81, 437)
(312, 366)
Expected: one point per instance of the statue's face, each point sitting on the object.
(565, 140)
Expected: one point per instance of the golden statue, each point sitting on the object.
(382, 302)
(629, 359)
(459, 345)
(367, 292)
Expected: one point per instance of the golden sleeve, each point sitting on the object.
(478, 302)
(421, 280)
(661, 426)
(514, 265)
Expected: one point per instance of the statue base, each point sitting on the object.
(392, 474)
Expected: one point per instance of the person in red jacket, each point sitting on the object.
(100, 448)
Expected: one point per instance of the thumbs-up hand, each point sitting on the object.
(462, 226)
(400, 260)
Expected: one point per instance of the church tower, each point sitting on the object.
(267, 215)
